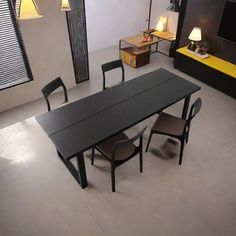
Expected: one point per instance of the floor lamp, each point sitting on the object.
(149, 14)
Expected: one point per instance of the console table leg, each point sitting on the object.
(185, 108)
(171, 50)
(157, 46)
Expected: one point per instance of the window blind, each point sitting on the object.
(14, 66)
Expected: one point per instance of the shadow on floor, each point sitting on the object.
(168, 150)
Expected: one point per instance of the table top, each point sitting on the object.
(80, 125)
(164, 35)
(136, 41)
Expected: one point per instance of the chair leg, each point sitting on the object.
(181, 152)
(141, 161)
(187, 136)
(113, 179)
(92, 158)
(59, 154)
(149, 139)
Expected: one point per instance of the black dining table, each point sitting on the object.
(80, 125)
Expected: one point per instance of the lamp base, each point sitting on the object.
(192, 46)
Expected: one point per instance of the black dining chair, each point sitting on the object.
(118, 150)
(175, 127)
(51, 87)
(111, 66)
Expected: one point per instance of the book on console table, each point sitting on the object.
(197, 54)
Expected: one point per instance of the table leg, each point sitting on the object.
(119, 49)
(80, 173)
(81, 170)
(171, 50)
(185, 108)
(157, 45)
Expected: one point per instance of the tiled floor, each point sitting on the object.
(39, 197)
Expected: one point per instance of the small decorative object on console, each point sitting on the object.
(198, 52)
(147, 37)
(206, 46)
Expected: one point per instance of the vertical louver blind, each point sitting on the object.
(14, 66)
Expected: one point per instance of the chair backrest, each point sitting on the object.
(111, 66)
(51, 87)
(195, 108)
(124, 143)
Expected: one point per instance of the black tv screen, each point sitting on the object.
(227, 29)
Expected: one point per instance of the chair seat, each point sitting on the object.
(175, 127)
(107, 146)
(168, 124)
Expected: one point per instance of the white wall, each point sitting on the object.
(159, 9)
(47, 45)
(110, 20)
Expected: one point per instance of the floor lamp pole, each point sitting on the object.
(149, 15)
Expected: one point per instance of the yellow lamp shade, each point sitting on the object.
(65, 5)
(28, 10)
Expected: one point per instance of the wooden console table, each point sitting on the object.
(165, 36)
(136, 41)
(138, 52)
(214, 71)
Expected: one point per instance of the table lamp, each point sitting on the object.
(28, 10)
(161, 25)
(195, 36)
(174, 6)
(65, 5)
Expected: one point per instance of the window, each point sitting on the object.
(14, 66)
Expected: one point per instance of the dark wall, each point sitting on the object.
(206, 14)
(76, 21)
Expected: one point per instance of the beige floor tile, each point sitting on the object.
(38, 196)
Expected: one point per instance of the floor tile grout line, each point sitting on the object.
(94, 218)
(210, 189)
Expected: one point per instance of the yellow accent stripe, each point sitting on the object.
(214, 62)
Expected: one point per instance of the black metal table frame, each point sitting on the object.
(133, 46)
(170, 50)
(79, 173)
